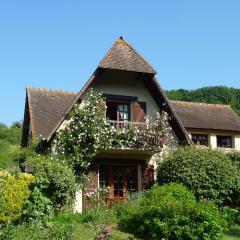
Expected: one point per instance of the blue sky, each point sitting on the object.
(58, 44)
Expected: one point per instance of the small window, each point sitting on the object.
(200, 139)
(123, 112)
(118, 111)
(224, 141)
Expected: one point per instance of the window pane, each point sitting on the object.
(120, 108)
(200, 139)
(224, 141)
(123, 112)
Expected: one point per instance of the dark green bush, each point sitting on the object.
(38, 205)
(235, 158)
(207, 173)
(59, 182)
(37, 230)
(170, 212)
(231, 215)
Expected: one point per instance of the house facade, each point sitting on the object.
(132, 92)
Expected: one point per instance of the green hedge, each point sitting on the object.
(209, 174)
(170, 212)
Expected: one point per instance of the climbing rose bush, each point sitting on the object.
(87, 131)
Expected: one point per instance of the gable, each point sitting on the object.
(128, 84)
(48, 110)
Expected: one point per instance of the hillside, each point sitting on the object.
(10, 138)
(217, 94)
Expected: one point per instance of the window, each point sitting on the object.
(224, 141)
(200, 139)
(123, 112)
(118, 111)
(120, 179)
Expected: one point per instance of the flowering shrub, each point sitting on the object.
(88, 131)
(103, 233)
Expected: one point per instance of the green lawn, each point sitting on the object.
(9, 155)
(86, 232)
(233, 234)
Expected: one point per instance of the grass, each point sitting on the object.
(9, 155)
(233, 234)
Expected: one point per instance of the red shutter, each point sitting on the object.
(139, 111)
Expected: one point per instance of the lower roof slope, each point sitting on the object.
(207, 116)
(46, 107)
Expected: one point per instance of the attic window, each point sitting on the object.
(118, 111)
(200, 139)
(224, 141)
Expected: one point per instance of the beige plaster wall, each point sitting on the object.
(212, 138)
(125, 83)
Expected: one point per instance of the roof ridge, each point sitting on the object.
(136, 52)
(121, 41)
(202, 103)
(49, 90)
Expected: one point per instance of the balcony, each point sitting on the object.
(124, 124)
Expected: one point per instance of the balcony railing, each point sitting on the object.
(122, 124)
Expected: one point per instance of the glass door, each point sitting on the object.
(120, 179)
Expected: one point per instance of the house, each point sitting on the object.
(132, 92)
(211, 125)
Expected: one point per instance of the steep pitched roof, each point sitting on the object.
(46, 107)
(122, 56)
(130, 61)
(207, 116)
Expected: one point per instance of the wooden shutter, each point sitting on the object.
(91, 185)
(139, 111)
(147, 176)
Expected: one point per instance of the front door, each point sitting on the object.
(120, 179)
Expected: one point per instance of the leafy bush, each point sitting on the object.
(58, 180)
(10, 134)
(207, 173)
(14, 192)
(38, 205)
(231, 215)
(170, 212)
(37, 230)
(235, 158)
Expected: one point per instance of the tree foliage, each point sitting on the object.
(215, 94)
